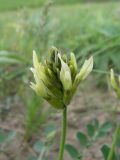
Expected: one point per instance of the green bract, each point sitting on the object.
(57, 79)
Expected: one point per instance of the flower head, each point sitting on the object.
(56, 80)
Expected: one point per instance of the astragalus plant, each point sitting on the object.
(56, 80)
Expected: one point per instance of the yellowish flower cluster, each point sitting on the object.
(57, 79)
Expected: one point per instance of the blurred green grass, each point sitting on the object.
(84, 29)
(71, 26)
(17, 4)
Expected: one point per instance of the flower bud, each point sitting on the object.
(56, 80)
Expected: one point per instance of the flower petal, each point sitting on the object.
(65, 75)
(84, 72)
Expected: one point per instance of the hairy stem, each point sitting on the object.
(63, 134)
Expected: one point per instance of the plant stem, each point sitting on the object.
(115, 139)
(63, 134)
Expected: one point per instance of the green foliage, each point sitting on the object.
(90, 130)
(94, 131)
(73, 152)
(7, 58)
(17, 52)
(15, 64)
(105, 151)
(42, 28)
(82, 138)
(97, 34)
(105, 128)
(17, 4)
(36, 115)
(43, 147)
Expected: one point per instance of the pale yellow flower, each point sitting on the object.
(56, 80)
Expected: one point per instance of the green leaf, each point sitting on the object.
(17, 73)
(106, 127)
(6, 60)
(11, 58)
(100, 134)
(90, 130)
(105, 151)
(73, 152)
(38, 146)
(83, 139)
(2, 137)
(115, 58)
(95, 123)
